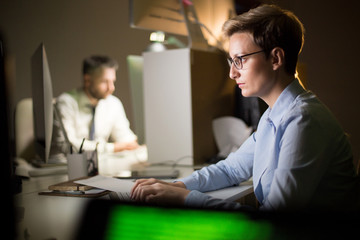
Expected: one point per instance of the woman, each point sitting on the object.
(299, 157)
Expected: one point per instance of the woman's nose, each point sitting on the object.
(234, 73)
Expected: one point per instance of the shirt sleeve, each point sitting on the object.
(68, 109)
(201, 200)
(121, 131)
(236, 168)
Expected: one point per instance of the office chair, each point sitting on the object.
(25, 143)
(24, 130)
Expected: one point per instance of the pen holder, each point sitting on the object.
(82, 164)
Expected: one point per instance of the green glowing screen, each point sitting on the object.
(139, 222)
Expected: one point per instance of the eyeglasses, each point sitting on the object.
(238, 60)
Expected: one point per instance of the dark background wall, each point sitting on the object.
(72, 30)
(331, 57)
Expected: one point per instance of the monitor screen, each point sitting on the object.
(133, 222)
(119, 220)
(42, 95)
(106, 219)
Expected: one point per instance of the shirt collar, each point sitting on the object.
(285, 99)
(84, 101)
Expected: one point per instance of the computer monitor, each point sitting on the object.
(42, 95)
(106, 219)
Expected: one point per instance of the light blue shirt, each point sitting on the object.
(299, 157)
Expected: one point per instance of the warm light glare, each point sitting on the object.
(157, 37)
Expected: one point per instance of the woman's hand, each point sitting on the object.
(159, 192)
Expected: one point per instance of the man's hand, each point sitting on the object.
(121, 146)
(159, 192)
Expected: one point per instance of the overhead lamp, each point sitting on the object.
(157, 36)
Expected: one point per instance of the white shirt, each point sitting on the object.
(111, 124)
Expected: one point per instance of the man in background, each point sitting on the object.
(93, 113)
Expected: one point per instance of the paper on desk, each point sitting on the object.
(230, 133)
(108, 183)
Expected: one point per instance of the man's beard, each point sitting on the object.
(98, 95)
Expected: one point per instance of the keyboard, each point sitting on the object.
(120, 196)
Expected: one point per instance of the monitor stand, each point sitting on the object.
(57, 164)
(51, 170)
(54, 161)
(26, 169)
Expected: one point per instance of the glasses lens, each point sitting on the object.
(238, 63)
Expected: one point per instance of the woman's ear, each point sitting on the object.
(278, 58)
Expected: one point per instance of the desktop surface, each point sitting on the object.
(54, 217)
(46, 217)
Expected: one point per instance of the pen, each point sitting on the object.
(71, 148)
(95, 151)
(81, 146)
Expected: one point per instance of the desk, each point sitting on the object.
(54, 217)
(47, 217)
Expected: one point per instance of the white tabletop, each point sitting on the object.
(55, 217)
(47, 217)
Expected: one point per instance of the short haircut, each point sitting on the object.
(93, 63)
(271, 27)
